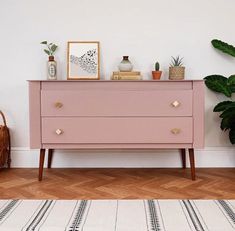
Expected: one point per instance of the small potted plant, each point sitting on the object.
(157, 74)
(51, 64)
(176, 69)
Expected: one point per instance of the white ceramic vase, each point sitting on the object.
(51, 69)
(125, 64)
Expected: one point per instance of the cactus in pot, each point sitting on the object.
(157, 73)
(176, 69)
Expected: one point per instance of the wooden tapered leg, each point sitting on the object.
(192, 163)
(9, 158)
(9, 162)
(41, 163)
(50, 155)
(9, 151)
(183, 157)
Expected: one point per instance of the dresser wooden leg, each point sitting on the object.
(41, 163)
(192, 163)
(183, 157)
(9, 162)
(50, 155)
(9, 159)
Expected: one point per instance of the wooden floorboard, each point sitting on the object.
(117, 184)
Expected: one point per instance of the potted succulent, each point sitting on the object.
(51, 64)
(176, 69)
(157, 74)
(226, 86)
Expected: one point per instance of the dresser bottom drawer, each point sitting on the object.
(117, 130)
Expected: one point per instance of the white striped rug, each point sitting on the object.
(117, 215)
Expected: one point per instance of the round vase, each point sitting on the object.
(51, 69)
(125, 64)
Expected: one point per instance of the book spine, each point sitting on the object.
(130, 73)
(115, 77)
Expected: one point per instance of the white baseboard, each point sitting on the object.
(208, 157)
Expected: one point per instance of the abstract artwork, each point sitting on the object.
(83, 60)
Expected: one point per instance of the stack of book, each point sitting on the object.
(126, 75)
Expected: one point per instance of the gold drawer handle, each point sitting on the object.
(175, 103)
(58, 105)
(175, 131)
(58, 131)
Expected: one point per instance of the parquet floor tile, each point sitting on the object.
(117, 184)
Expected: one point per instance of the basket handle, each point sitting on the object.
(3, 118)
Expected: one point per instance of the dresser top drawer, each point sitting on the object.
(117, 85)
(116, 103)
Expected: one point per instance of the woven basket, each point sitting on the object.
(5, 143)
(176, 73)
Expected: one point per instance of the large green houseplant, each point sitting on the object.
(226, 86)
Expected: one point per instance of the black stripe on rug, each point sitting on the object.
(228, 210)
(154, 219)
(78, 217)
(193, 215)
(39, 216)
(7, 209)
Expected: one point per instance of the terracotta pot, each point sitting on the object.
(156, 74)
(176, 73)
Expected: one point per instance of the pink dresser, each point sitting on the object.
(116, 115)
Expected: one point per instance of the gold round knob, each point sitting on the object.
(175, 103)
(58, 131)
(58, 105)
(175, 131)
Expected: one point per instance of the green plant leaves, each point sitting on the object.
(223, 106)
(224, 47)
(218, 83)
(47, 52)
(53, 48)
(228, 113)
(231, 80)
(232, 135)
(176, 61)
(228, 118)
(225, 124)
(226, 86)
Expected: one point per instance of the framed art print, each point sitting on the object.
(83, 60)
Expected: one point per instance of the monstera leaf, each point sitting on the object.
(231, 83)
(224, 47)
(226, 86)
(232, 135)
(223, 106)
(225, 124)
(228, 113)
(219, 83)
(228, 117)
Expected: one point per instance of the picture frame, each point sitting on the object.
(83, 60)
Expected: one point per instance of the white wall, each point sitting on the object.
(147, 31)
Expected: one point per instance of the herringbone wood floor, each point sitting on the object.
(117, 184)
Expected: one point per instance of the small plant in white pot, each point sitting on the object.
(51, 64)
(157, 73)
(176, 69)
